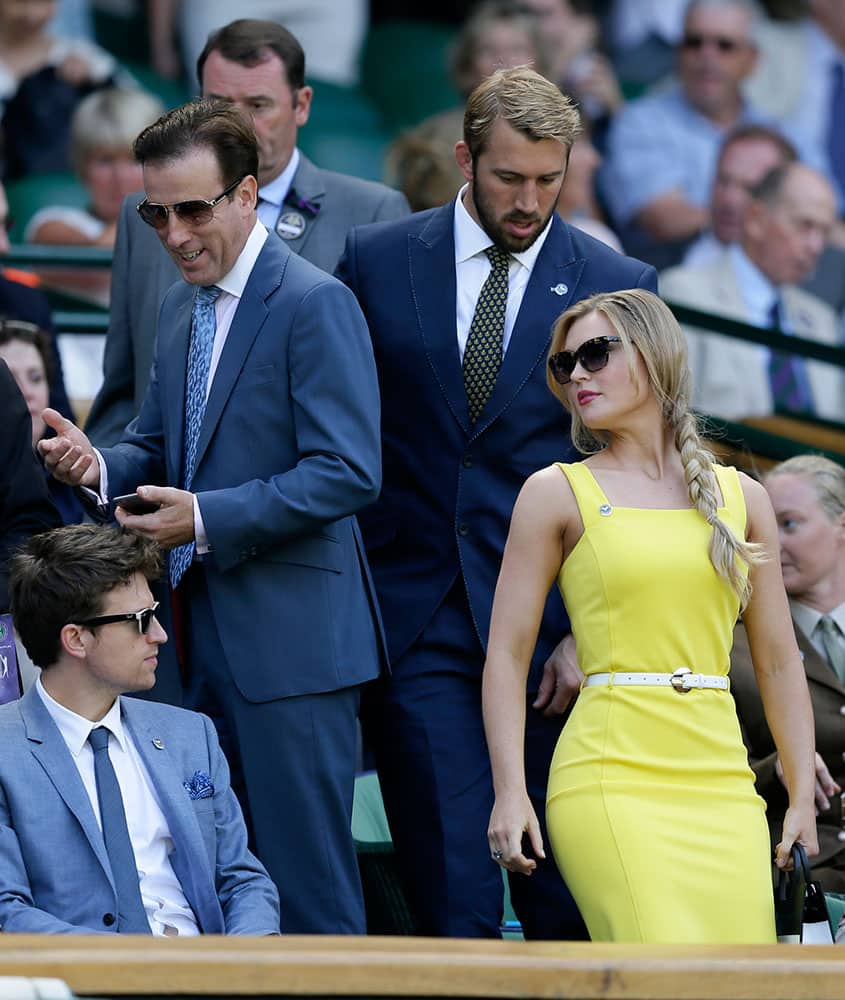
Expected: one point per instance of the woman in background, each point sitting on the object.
(651, 808)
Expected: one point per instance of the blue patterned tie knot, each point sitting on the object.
(788, 379)
(485, 341)
(203, 328)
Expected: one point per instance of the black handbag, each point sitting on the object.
(800, 910)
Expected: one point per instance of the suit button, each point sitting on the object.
(842, 709)
(467, 461)
(108, 919)
(463, 529)
(841, 836)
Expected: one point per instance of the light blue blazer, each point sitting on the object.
(55, 876)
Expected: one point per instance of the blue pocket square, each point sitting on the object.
(200, 786)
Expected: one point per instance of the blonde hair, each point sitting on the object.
(109, 119)
(528, 102)
(826, 478)
(645, 324)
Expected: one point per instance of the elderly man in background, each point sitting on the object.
(662, 148)
(755, 281)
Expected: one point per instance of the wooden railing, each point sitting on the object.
(424, 967)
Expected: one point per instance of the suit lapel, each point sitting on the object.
(309, 185)
(431, 260)
(190, 858)
(550, 290)
(815, 666)
(174, 352)
(247, 322)
(50, 750)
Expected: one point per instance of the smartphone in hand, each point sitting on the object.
(134, 504)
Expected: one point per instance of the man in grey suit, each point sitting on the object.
(116, 814)
(260, 67)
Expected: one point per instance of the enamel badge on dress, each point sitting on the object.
(291, 225)
(605, 510)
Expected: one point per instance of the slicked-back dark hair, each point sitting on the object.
(214, 125)
(64, 575)
(248, 42)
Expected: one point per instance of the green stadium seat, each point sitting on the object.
(348, 151)
(405, 70)
(29, 194)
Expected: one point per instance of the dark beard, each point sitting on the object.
(497, 233)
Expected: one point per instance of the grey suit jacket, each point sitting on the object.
(54, 871)
(730, 377)
(142, 272)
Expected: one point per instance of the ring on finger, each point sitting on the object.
(497, 855)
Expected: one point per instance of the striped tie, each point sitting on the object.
(485, 342)
(203, 327)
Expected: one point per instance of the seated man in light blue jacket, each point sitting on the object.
(116, 814)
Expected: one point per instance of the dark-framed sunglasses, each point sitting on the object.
(142, 618)
(723, 43)
(592, 355)
(196, 212)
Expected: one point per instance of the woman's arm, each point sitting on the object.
(532, 559)
(781, 678)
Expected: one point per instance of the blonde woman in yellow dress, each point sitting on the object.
(651, 809)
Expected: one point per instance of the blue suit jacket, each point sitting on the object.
(288, 451)
(54, 871)
(449, 486)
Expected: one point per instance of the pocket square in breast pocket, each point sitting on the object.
(200, 786)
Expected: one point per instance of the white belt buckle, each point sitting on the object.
(678, 680)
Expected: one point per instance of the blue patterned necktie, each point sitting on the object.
(485, 342)
(836, 126)
(787, 373)
(131, 916)
(203, 327)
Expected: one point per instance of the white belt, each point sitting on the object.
(681, 680)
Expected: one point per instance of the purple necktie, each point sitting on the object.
(787, 374)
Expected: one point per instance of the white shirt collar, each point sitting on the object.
(235, 281)
(758, 292)
(471, 239)
(276, 190)
(75, 728)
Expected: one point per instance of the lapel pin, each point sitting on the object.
(560, 289)
(158, 744)
(291, 225)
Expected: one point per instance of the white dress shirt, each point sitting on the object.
(472, 266)
(168, 911)
(272, 196)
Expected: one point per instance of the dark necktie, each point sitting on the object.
(836, 126)
(203, 327)
(787, 373)
(483, 353)
(131, 916)
(832, 642)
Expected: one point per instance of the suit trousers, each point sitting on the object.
(426, 729)
(293, 765)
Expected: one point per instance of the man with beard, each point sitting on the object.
(460, 302)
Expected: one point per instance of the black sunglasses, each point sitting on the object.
(143, 619)
(195, 213)
(592, 355)
(724, 44)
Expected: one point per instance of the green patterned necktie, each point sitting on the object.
(483, 354)
(832, 642)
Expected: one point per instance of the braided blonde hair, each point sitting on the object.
(646, 326)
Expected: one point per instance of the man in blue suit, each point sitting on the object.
(466, 417)
(83, 608)
(259, 439)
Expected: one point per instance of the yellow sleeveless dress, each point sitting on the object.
(652, 814)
